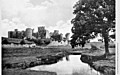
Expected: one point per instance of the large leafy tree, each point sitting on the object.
(96, 16)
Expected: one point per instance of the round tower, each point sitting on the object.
(29, 32)
(67, 35)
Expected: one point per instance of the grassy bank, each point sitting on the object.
(98, 61)
(15, 60)
(18, 59)
(25, 72)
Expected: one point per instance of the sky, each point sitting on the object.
(22, 14)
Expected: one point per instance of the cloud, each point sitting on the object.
(7, 25)
(11, 8)
(47, 12)
(63, 27)
(34, 13)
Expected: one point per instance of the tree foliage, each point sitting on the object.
(57, 37)
(96, 16)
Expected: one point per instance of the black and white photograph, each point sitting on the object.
(58, 37)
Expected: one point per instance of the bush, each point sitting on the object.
(94, 47)
(111, 46)
(39, 41)
(47, 41)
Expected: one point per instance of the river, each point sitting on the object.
(69, 65)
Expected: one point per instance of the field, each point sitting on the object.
(21, 56)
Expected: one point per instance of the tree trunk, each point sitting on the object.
(106, 41)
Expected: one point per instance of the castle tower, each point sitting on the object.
(29, 32)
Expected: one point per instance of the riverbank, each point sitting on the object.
(25, 72)
(98, 61)
(15, 59)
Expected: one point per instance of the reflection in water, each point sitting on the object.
(70, 65)
(67, 57)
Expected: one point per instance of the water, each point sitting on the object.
(69, 65)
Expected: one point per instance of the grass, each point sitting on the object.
(15, 55)
(21, 55)
(26, 72)
(18, 55)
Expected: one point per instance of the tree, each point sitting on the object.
(22, 42)
(57, 37)
(96, 16)
(47, 41)
(113, 35)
